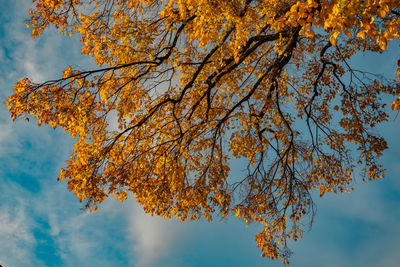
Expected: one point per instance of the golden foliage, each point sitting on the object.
(195, 83)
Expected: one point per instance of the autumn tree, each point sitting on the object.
(197, 83)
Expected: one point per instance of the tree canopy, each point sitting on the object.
(193, 84)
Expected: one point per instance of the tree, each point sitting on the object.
(196, 83)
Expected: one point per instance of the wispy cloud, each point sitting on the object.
(153, 237)
(16, 237)
(17, 240)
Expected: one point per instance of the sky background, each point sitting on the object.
(41, 223)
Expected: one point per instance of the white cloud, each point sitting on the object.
(8, 142)
(364, 203)
(32, 70)
(68, 227)
(17, 240)
(357, 229)
(16, 237)
(153, 237)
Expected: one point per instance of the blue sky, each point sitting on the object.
(41, 223)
